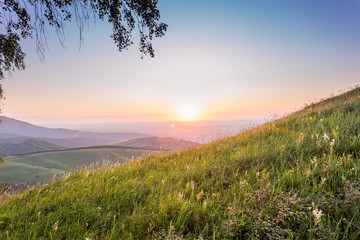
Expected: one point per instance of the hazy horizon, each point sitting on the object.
(198, 131)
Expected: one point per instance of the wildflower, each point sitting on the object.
(307, 172)
(321, 120)
(314, 161)
(335, 133)
(204, 204)
(99, 208)
(326, 137)
(300, 139)
(55, 226)
(192, 185)
(282, 148)
(180, 196)
(243, 183)
(332, 143)
(317, 214)
(323, 181)
(199, 195)
(163, 181)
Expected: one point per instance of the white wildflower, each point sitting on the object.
(180, 196)
(314, 161)
(326, 137)
(55, 226)
(332, 143)
(323, 180)
(317, 215)
(243, 183)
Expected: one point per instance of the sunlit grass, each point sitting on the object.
(294, 178)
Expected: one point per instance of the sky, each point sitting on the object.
(219, 60)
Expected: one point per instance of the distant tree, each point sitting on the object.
(21, 19)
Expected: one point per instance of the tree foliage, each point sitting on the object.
(21, 19)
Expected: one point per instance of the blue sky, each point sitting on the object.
(228, 60)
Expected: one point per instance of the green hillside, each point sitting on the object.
(41, 167)
(295, 178)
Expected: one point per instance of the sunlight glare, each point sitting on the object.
(187, 112)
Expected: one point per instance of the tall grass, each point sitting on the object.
(294, 178)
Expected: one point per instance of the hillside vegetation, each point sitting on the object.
(294, 178)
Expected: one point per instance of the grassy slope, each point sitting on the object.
(269, 182)
(41, 167)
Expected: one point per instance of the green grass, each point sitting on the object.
(287, 179)
(41, 167)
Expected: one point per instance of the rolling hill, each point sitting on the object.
(30, 169)
(18, 137)
(294, 178)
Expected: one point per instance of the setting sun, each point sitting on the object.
(188, 112)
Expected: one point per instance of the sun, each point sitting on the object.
(188, 111)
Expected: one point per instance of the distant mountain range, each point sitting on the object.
(18, 137)
(11, 127)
